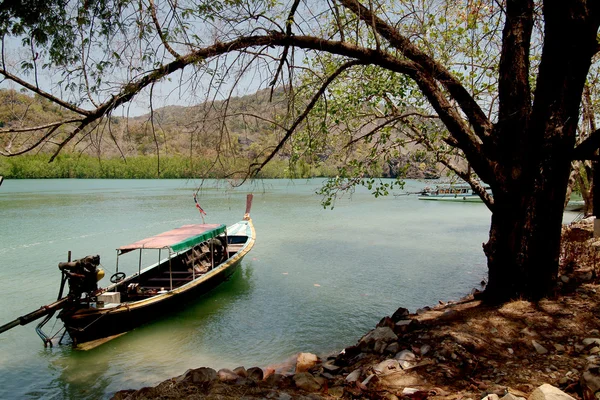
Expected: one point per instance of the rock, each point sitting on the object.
(510, 396)
(539, 348)
(353, 376)
(564, 279)
(279, 396)
(336, 391)
(397, 380)
(528, 332)
(590, 379)
(346, 355)
(492, 396)
(256, 374)
(277, 380)
(386, 321)
(559, 347)
(400, 314)
(406, 359)
(589, 341)
(227, 375)
(425, 349)
(330, 366)
(202, 375)
(387, 366)
(549, 392)
(381, 334)
(595, 350)
(241, 371)
(404, 325)
(306, 361)
(306, 381)
(392, 348)
(423, 310)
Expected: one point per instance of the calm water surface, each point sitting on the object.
(316, 281)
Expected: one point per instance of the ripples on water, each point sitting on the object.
(315, 281)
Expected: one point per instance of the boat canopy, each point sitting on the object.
(177, 239)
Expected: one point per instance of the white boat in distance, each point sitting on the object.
(464, 193)
(461, 193)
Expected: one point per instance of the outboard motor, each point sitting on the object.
(83, 275)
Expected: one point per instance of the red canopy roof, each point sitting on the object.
(177, 239)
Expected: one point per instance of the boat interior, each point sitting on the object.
(173, 271)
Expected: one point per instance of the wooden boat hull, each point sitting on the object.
(87, 324)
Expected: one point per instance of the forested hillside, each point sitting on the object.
(214, 140)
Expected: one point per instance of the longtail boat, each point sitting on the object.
(192, 260)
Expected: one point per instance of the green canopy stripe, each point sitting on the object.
(194, 240)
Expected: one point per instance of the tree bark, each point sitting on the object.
(531, 180)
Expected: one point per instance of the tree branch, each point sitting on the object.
(587, 149)
(302, 117)
(477, 118)
(44, 94)
(163, 39)
(40, 127)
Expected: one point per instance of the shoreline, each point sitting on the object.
(455, 350)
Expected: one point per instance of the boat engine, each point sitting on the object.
(83, 275)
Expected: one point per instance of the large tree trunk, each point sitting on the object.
(532, 162)
(523, 247)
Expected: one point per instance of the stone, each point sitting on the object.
(528, 332)
(559, 347)
(564, 279)
(539, 348)
(400, 314)
(590, 380)
(202, 375)
(353, 376)
(379, 347)
(277, 380)
(549, 392)
(381, 334)
(306, 361)
(336, 392)
(406, 359)
(306, 381)
(595, 350)
(425, 349)
(343, 358)
(241, 371)
(510, 396)
(256, 374)
(330, 366)
(589, 341)
(492, 396)
(386, 321)
(387, 366)
(227, 375)
(392, 348)
(398, 380)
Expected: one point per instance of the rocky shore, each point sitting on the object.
(548, 350)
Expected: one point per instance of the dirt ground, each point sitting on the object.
(462, 350)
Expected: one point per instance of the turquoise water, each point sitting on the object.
(316, 280)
